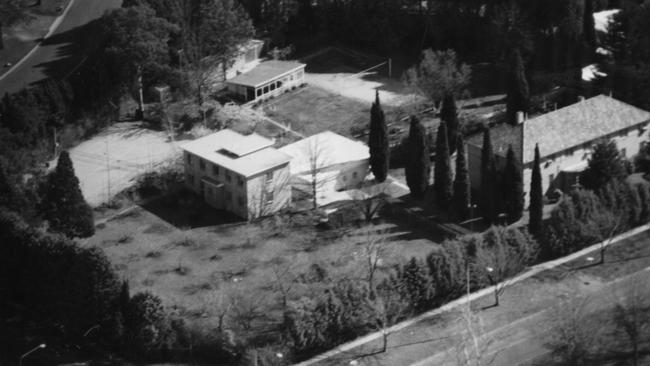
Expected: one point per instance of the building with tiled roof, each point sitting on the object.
(565, 138)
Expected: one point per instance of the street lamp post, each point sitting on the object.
(40, 346)
(493, 283)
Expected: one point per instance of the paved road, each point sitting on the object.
(60, 53)
(515, 332)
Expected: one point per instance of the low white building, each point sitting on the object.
(565, 138)
(242, 174)
(267, 79)
(327, 161)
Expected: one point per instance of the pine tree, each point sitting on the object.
(449, 115)
(64, 205)
(378, 141)
(605, 164)
(536, 198)
(418, 165)
(442, 183)
(589, 29)
(488, 179)
(513, 187)
(461, 197)
(518, 98)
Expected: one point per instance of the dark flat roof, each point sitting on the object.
(265, 72)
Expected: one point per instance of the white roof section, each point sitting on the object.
(603, 18)
(266, 72)
(246, 155)
(324, 150)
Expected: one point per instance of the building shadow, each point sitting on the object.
(187, 211)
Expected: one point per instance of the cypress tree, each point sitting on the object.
(449, 115)
(461, 197)
(536, 198)
(488, 179)
(518, 98)
(64, 205)
(513, 187)
(418, 165)
(442, 175)
(589, 29)
(378, 141)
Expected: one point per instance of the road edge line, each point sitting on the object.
(53, 27)
(473, 296)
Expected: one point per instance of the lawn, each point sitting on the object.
(311, 110)
(200, 264)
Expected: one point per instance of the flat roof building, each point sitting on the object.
(267, 79)
(243, 174)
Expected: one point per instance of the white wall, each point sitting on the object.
(630, 141)
(257, 193)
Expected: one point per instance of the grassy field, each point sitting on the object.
(201, 261)
(310, 110)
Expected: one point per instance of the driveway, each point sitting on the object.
(57, 55)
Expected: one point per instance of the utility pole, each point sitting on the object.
(140, 113)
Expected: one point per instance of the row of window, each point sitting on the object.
(278, 84)
(215, 171)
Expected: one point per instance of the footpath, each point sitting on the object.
(429, 339)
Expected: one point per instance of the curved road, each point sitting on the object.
(62, 51)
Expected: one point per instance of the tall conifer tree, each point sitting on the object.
(442, 181)
(378, 141)
(63, 205)
(449, 115)
(513, 187)
(418, 165)
(461, 197)
(536, 198)
(488, 179)
(518, 99)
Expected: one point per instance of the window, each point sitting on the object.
(269, 196)
(266, 89)
(269, 178)
(190, 179)
(202, 165)
(259, 92)
(228, 177)
(272, 86)
(240, 181)
(189, 158)
(345, 178)
(355, 175)
(624, 152)
(215, 169)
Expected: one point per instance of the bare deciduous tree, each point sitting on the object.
(315, 177)
(631, 317)
(574, 337)
(472, 345)
(370, 202)
(269, 196)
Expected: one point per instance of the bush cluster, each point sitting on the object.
(68, 291)
(350, 309)
(586, 217)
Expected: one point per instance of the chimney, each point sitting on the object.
(521, 117)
